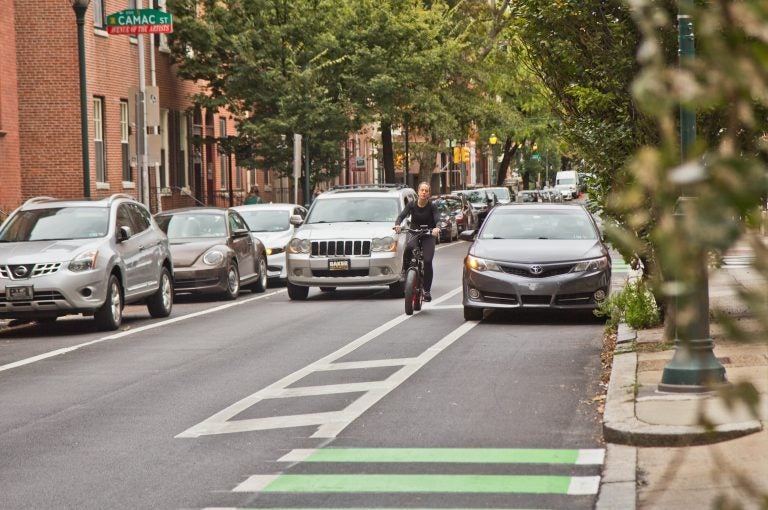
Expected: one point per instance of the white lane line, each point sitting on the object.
(594, 456)
(65, 350)
(256, 483)
(330, 423)
(374, 363)
(297, 455)
(581, 485)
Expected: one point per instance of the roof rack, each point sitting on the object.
(38, 200)
(369, 186)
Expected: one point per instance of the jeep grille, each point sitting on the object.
(335, 248)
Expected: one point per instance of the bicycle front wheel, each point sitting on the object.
(411, 291)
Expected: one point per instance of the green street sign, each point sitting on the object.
(140, 21)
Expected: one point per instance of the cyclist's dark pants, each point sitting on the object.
(428, 250)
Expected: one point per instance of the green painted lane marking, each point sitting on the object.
(454, 455)
(500, 484)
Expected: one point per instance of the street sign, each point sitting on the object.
(140, 21)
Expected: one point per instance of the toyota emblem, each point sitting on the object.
(21, 272)
(536, 269)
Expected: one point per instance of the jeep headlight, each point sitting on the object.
(591, 265)
(479, 264)
(84, 261)
(213, 257)
(299, 245)
(383, 244)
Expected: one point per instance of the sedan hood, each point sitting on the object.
(346, 230)
(185, 252)
(538, 251)
(39, 252)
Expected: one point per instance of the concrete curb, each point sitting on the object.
(621, 426)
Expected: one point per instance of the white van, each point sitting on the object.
(567, 183)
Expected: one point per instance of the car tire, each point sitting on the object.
(473, 314)
(396, 290)
(233, 282)
(160, 303)
(261, 282)
(109, 316)
(297, 292)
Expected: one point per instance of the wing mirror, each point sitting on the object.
(123, 234)
(296, 220)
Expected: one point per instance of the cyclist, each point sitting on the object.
(423, 213)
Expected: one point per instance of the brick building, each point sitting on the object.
(40, 135)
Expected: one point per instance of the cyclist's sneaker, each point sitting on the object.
(427, 296)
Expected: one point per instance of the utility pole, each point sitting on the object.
(694, 367)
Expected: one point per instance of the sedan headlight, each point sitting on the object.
(84, 262)
(299, 245)
(383, 244)
(275, 250)
(213, 257)
(479, 264)
(591, 265)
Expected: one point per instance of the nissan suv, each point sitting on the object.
(348, 240)
(90, 257)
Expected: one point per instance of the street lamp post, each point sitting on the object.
(694, 365)
(80, 7)
(493, 141)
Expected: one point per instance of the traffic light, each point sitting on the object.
(399, 160)
(457, 154)
(465, 154)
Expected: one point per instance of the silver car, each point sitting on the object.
(348, 240)
(535, 256)
(90, 257)
(270, 223)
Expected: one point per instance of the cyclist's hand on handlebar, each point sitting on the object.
(397, 228)
(435, 231)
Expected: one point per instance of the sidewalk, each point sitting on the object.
(658, 457)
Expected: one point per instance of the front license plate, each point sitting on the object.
(338, 264)
(24, 293)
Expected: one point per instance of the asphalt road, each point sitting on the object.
(340, 401)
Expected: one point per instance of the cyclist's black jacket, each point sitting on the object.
(420, 216)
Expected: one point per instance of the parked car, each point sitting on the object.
(529, 196)
(448, 208)
(466, 217)
(89, 257)
(535, 256)
(480, 200)
(348, 240)
(270, 224)
(503, 195)
(213, 251)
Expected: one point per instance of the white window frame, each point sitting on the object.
(98, 139)
(166, 168)
(125, 133)
(99, 14)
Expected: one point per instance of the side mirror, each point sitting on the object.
(240, 232)
(296, 220)
(467, 235)
(123, 234)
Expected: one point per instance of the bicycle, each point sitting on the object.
(414, 273)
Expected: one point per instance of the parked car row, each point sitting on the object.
(92, 257)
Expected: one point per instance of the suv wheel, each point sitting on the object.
(233, 282)
(297, 292)
(109, 316)
(160, 303)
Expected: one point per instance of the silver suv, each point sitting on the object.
(90, 257)
(348, 240)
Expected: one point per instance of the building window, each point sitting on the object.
(99, 14)
(124, 144)
(98, 139)
(222, 155)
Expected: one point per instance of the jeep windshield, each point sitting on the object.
(56, 224)
(357, 209)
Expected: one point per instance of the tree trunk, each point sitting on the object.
(388, 156)
(501, 171)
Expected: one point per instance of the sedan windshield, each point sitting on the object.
(475, 197)
(266, 221)
(56, 223)
(501, 193)
(551, 224)
(334, 210)
(184, 226)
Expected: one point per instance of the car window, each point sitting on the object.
(124, 218)
(140, 217)
(558, 225)
(236, 222)
(358, 209)
(266, 220)
(56, 223)
(185, 226)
